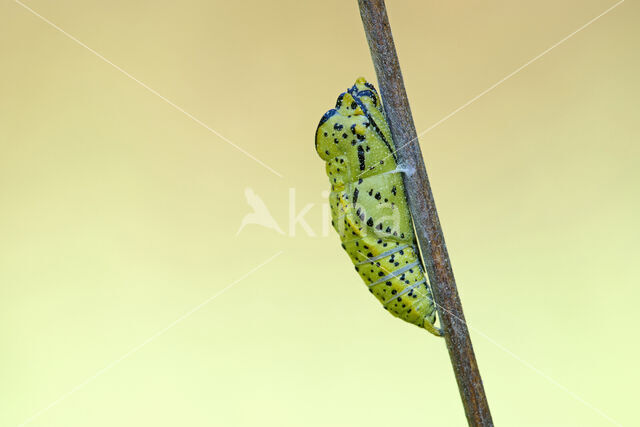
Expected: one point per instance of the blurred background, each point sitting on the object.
(120, 212)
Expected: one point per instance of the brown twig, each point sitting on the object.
(423, 209)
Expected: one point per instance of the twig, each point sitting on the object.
(423, 209)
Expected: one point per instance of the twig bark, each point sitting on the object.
(423, 209)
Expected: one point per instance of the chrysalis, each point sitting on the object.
(368, 205)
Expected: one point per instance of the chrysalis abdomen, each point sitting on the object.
(368, 205)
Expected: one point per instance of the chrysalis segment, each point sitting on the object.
(368, 204)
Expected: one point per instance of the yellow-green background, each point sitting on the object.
(118, 214)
